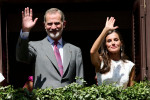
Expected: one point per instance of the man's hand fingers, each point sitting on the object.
(30, 14)
(22, 14)
(27, 11)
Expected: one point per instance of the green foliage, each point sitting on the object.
(74, 91)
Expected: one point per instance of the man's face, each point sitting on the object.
(54, 26)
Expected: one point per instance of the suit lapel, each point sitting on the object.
(49, 52)
(66, 56)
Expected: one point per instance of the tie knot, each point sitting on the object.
(55, 42)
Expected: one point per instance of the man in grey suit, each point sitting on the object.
(41, 53)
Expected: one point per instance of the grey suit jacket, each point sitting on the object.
(46, 73)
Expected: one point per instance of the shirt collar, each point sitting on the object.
(52, 41)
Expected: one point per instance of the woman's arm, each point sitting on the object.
(95, 58)
(131, 77)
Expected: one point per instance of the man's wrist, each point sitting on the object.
(24, 35)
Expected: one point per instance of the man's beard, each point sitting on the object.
(55, 36)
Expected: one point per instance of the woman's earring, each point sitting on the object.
(106, 51)
(121, 48)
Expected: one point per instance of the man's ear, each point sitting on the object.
(64, 24)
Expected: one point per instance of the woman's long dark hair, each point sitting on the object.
(105, 55)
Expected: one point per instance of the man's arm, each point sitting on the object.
(22, 44)
(22, 50)
(79, 67)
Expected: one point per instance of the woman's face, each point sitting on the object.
(113, 43)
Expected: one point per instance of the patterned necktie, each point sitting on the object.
(58, 58)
